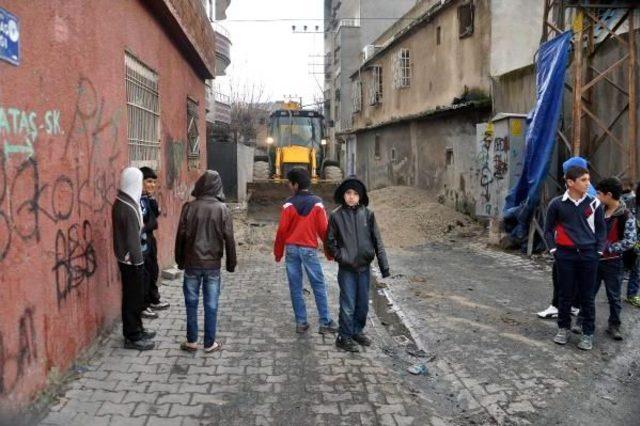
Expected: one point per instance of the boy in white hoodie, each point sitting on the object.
(126, 217)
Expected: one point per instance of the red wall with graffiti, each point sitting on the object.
(63, 143)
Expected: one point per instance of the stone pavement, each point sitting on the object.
(474, 308)
(265, 374)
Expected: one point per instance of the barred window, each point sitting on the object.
(375, 88)
(143, 113)
(193, 134)
(465, 20)
(357, 96)
(402, 69)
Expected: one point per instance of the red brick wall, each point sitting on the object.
(59, 283)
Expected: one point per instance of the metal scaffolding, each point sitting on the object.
(595, 23)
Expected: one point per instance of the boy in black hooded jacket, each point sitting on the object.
(353, 239)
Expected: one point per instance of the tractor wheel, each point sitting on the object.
(260, 170)
(333, 173)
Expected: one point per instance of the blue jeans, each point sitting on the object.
(610, 271)
(210, 281)
(634, 277)
(354, 301)
(297, 259)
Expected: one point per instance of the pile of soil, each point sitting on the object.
(409, 217)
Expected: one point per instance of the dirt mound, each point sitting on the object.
(409, 216)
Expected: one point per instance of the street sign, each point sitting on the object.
(9, 37)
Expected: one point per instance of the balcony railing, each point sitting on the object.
(223, 48)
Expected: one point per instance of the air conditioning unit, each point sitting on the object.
(368, 51)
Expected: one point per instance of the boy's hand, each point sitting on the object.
(278, 259)
(385, 273)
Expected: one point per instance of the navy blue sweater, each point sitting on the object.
(581, 227)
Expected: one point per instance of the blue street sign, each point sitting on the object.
(9, 37)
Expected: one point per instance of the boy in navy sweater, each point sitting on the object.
(575, 231)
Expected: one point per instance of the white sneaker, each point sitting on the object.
(575, 312)
(550, 312)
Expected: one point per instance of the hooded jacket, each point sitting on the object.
(621, 233)
(205, 229)
(126, 218)
(353, 238)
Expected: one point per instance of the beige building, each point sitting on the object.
(425, 84)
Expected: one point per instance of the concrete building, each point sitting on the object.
(349, 26)
(91, 88)
(418, 97)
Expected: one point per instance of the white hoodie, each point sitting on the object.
(131, 184)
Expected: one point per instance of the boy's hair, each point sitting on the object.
(148, 173)
(300, 176)
(575, 172)
(612, 185)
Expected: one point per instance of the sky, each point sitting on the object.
(269, 55)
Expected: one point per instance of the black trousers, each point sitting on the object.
(132, 300)
(554, 300)
(151, 269)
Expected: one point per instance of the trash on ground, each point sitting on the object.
(418, 370)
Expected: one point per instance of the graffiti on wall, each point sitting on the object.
(14, 360)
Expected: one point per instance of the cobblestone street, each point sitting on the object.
(265, 374)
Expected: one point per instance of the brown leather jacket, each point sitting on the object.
(205, 229)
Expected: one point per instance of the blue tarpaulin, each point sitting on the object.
(540, 137)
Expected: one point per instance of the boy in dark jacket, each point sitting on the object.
(150, 215)
(621, 236)
(303, 221)
(576, 234)
(205, 232)
(126, 217)
(353, 240)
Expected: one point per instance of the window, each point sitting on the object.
(376, 146)
(449, 155)
(357, 96)
(375, 88)
(402, 69)
(193, 134)
(465, 20)
(393, 154)
(438, 35)
(143, 113)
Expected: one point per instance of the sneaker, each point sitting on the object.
(562, 337)
(148, 334)
(347, 344)
(213, 348)
(148, 313)
(633, 301)
(614, 332)
(188, 347)
(586, 343)
(362, 339)
(161, 305)
(575, 311)
(332, 327)
(550, 312)
(302, 328)
(140, 344)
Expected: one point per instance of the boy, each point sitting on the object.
(150, 215)
(634, 269)
(205, 231)
(302, 222)
(126, 217)
(353, 240)
(576, 234)
(621, 236)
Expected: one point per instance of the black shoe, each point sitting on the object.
(362, 339)
(148, 334)
(141, 344)
(614, 332)
(302, 328)
(347, 344)
(332, 327)
(148, 313)
(160, 306)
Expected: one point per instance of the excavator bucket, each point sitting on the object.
(266, 197)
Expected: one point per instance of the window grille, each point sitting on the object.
(375, 92)
(143, 113)
(465, 20)
(402, 69)
(193, 134)
(357, 96)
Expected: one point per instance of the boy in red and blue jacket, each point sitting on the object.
(303, 222)
(575, 232)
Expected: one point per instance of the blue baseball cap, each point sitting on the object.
(574, 162)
